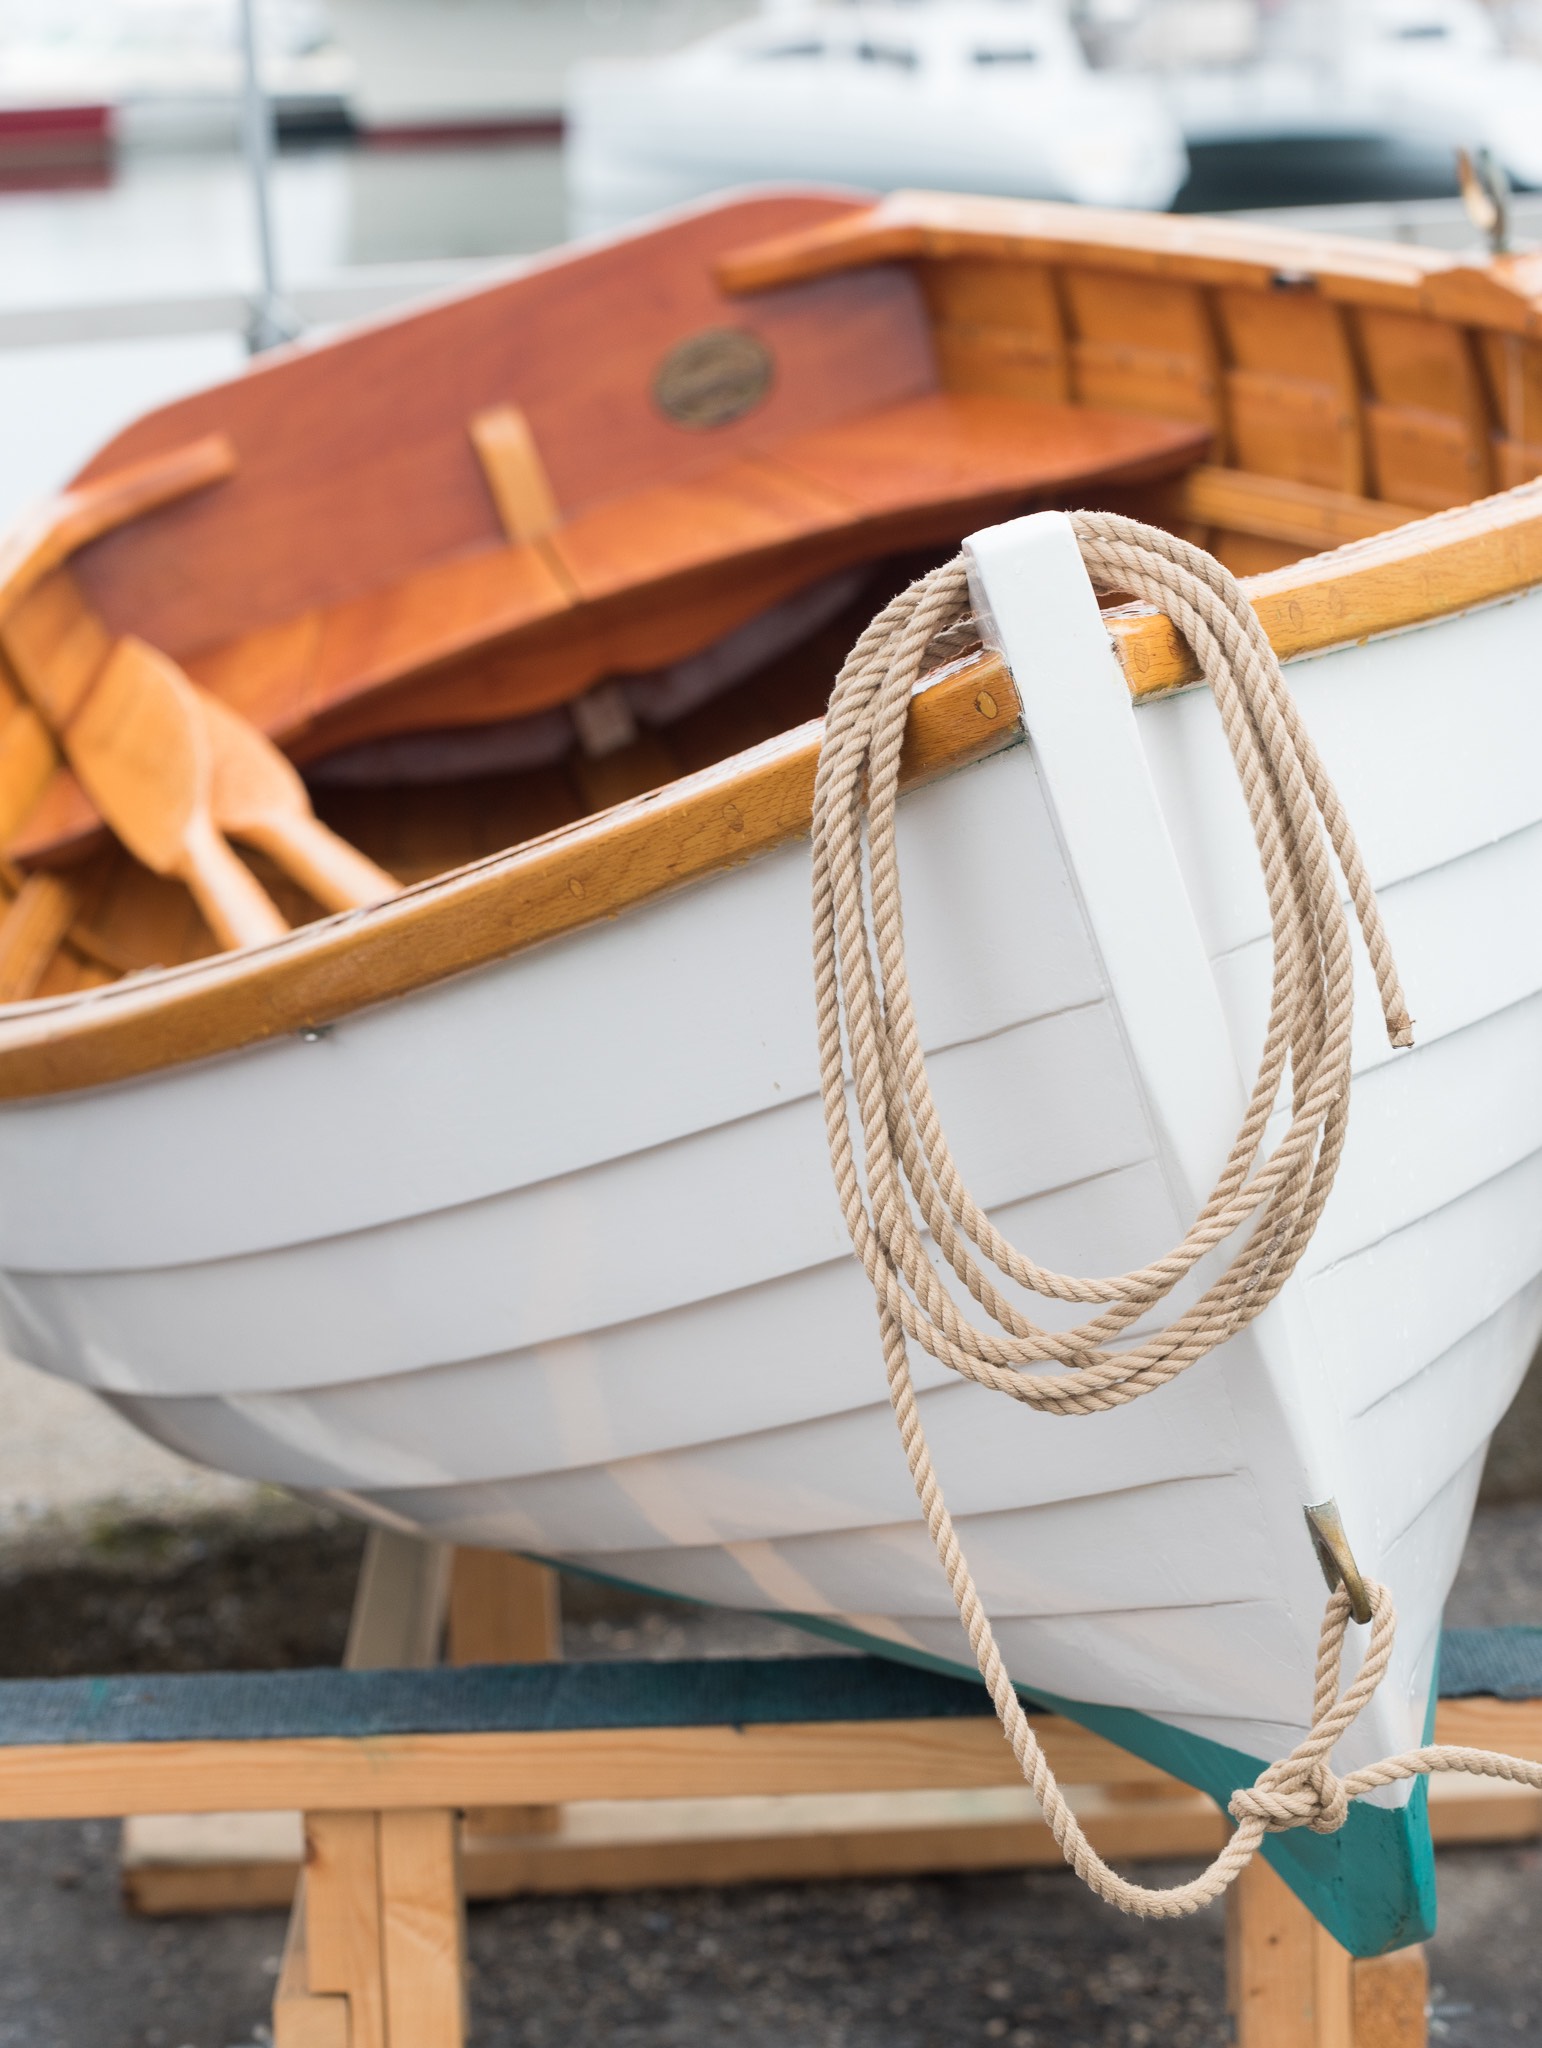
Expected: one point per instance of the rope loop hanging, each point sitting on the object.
(909, 1184)
(861, 982)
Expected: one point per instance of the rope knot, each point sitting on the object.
(1303, 1790)
(1297, 1792)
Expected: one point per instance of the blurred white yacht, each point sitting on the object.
(977, 95)
(1434, 73)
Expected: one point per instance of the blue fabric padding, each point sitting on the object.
(237, 1706)
(244, 1706)
(1506, 1662)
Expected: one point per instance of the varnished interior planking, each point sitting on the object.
(355, 465)
(1400, 375)
(1301, 517)
(1292, 388)
(1429, 430)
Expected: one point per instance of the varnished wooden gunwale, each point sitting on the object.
(909, 226)
(574, 877)
(89, 509)
(1449, 563)
(607, 864)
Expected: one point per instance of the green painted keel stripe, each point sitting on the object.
(1372, 1885)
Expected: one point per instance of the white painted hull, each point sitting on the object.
(547, 1256)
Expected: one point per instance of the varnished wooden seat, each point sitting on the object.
(899, 476)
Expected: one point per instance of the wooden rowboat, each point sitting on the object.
(501, 1210)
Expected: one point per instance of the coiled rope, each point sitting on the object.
(863, 999)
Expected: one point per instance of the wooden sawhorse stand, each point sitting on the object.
(382, 1763)
(374, 1954)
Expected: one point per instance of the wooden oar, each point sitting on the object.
(141, 746)
(258, 798)
(32, 930)
(173, 771)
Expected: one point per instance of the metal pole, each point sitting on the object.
(272, 322)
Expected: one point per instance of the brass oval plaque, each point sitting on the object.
(713, 377)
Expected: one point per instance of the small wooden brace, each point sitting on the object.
(376, 1950)
(516, 475)
(504, 1610)
(1290, 1985)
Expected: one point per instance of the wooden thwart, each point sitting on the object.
(1276, 508)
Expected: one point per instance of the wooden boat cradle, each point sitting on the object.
(376, 1941)
(938, 362)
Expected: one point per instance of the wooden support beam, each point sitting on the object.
(342, 1919)
(398, 1614)
(63, 1781)
(239, 1861)
(328, 1774)
(1290, 1985)
(422, 1934)
(1392, 1996)
(229, 1863)
(504, 1610)
(301, 2017)
(375, 1956)
(210, 1864)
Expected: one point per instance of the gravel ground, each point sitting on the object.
(1028, 1960)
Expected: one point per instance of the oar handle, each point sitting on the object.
(335, 873)
(236, 907)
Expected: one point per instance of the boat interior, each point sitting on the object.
(492, 568)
